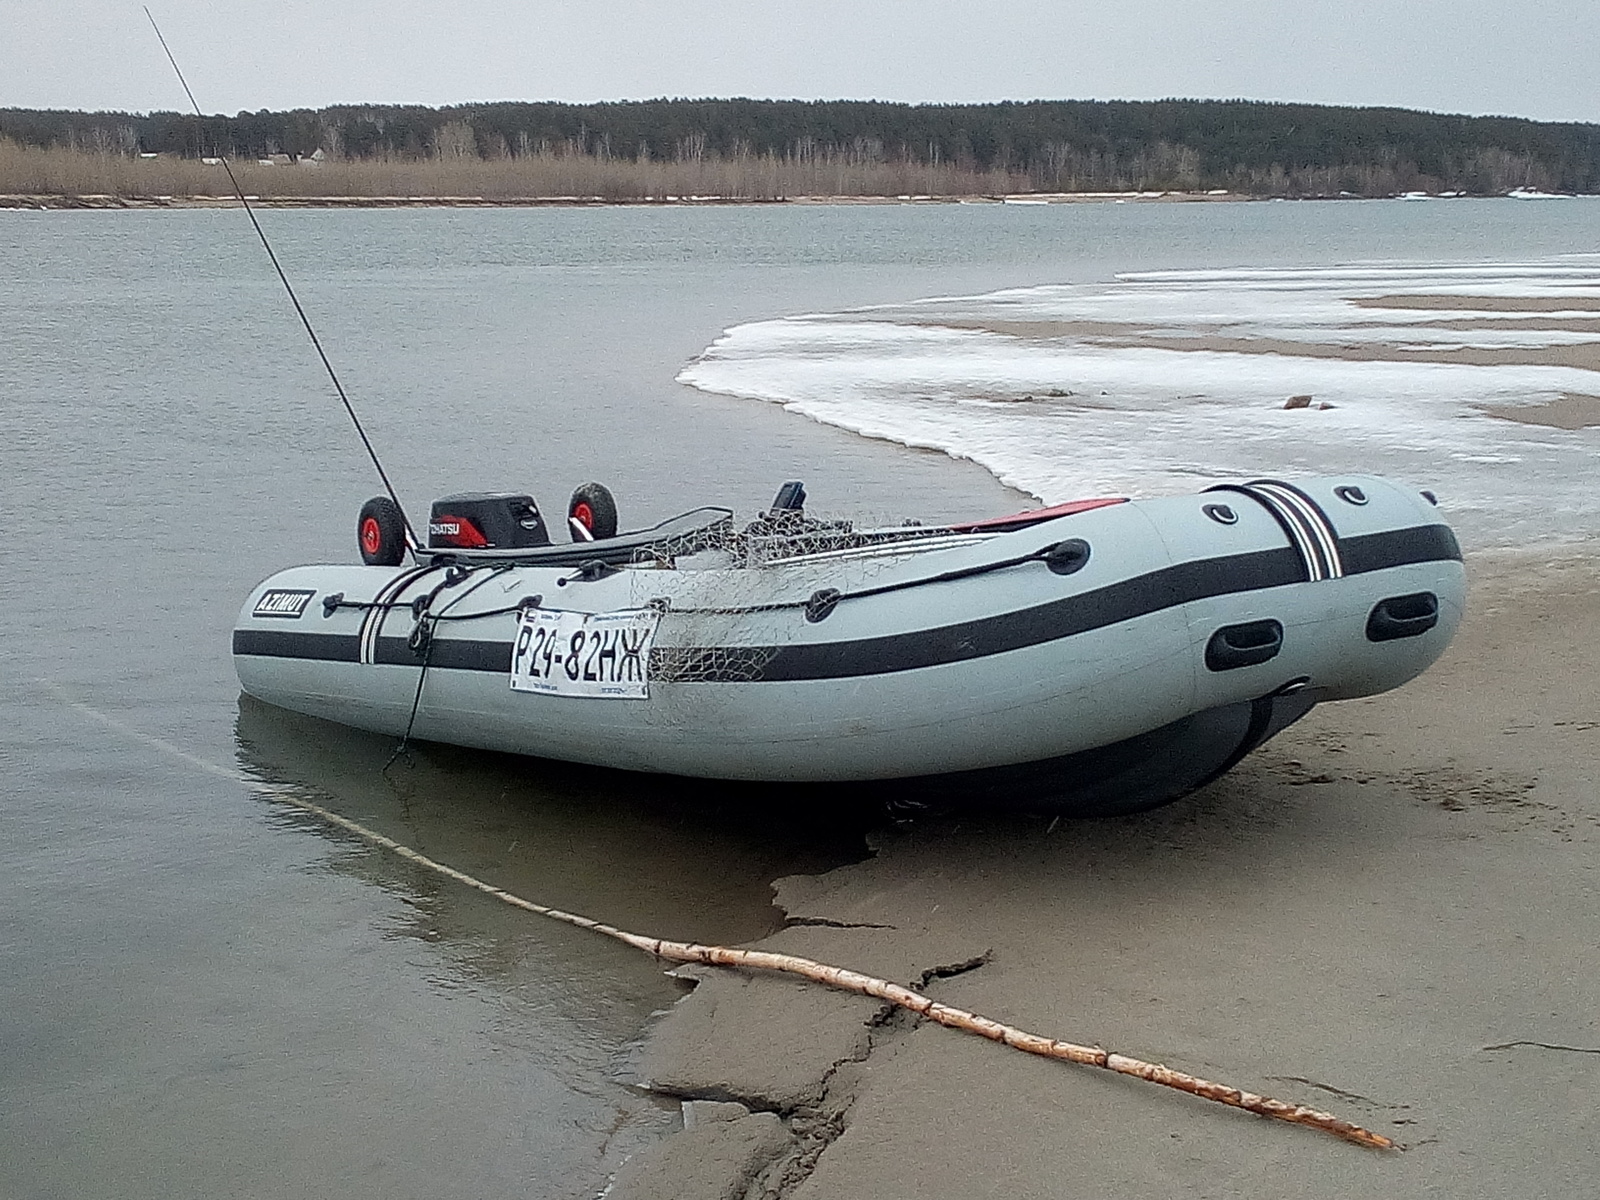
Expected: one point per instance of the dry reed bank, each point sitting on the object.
(56, 172)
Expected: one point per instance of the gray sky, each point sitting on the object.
(1529, 58)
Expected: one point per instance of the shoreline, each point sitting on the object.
(53, 201)
(1387, 911)
(49, 201)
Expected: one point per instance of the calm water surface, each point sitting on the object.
(202, 992)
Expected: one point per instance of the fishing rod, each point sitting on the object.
(411, 537)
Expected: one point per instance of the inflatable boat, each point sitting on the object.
(1095, 657)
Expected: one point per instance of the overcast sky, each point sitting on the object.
(1528, 58)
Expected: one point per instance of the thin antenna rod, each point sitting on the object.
(411, 537)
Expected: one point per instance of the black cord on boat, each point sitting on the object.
(389, 605)
(421, 639)
(238, 191)
(1063, 558)
(416, 697)
(520, 606)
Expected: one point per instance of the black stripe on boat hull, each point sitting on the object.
(1097, 609)
(464, 654)
(283, 643)
(1126, 600)
(1398, 548)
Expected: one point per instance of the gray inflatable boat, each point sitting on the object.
(1097, 657)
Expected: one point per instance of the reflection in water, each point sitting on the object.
(674, 858)
(668, 857)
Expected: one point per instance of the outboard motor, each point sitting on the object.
(791, 498)
(787, 515)
(486, 521)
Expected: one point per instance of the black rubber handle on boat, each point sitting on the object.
(1246, 645)
(1402, 617)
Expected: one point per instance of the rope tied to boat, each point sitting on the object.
(421, 641)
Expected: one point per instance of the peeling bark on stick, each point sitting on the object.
(1032, 1043)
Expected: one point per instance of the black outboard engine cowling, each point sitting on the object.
(486, 521)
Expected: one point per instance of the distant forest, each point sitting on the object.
(1068, 145)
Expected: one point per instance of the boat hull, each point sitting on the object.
(1177, 643)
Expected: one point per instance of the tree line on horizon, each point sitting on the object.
(1058, 145)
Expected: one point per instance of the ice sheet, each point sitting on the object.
(1076, 390)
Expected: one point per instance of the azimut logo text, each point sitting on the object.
(283, 602)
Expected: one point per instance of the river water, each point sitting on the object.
(202, 992)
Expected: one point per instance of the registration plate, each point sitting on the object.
(602, 655)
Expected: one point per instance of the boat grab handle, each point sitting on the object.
(1246, 645)
(1402, 617)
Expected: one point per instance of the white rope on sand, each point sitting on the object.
(763, 960)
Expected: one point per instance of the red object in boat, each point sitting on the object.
(1033, 516)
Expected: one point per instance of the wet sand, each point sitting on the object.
(1391, 911)
(1512, 304)
(1569, 411)
(1127, 335)
(1583, 356)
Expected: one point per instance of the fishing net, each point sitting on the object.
(749, 590)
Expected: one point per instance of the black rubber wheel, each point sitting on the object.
(381, 533)
(593, 507)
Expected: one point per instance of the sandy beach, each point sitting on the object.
(1389, 912)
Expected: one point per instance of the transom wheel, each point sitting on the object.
(381, 533)
(592, 512)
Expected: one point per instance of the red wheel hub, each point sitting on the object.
(583, 515)
(371, 535)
